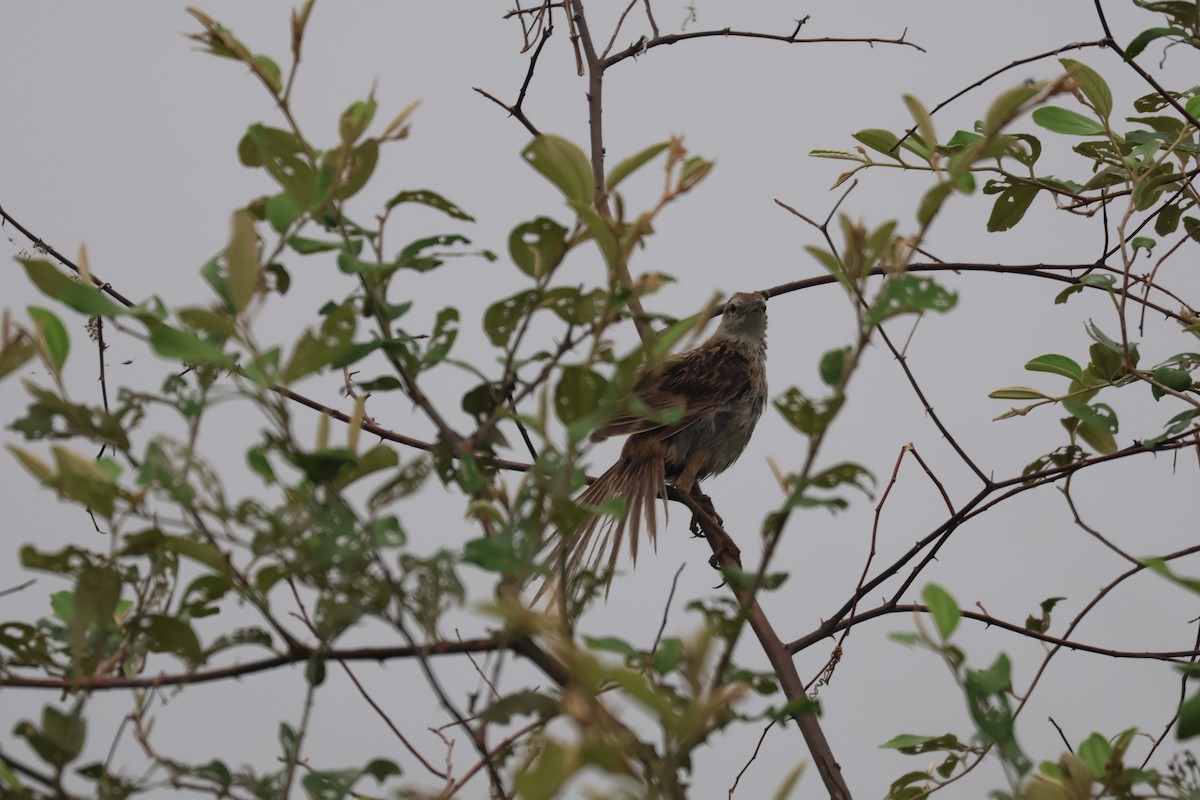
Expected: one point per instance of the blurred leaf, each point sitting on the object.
(83, 480)
(521, 704)
(356, 119)
(931, 202)
(431, 199)
(628, 166)
(358, 169)
(1189, 718)
(943, 607)
(72, 293)
(668, 655)
(1097, 335)
(564, 165)
(53, 334)
(923, 119)
(501, 318)
(1095, 752)
(1018, 393)
(578, 393)
(906, 294)
(1098, 414)
(309, 246)
(1139, 43)
(170, 635)
(1041, 624)
(1005, 108)
(1010, 207)
(1180, 380)
(880, 140)
(1059, 365)
(1094, 88)
(1063, 120)
(805, 415)
(1097, 437)
(181, 345)
(282, 210)
(912, 744)
(611, 644)
(833, 365)
(241, 254)
(59, 740)
(537, 246)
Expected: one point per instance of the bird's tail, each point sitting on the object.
(636, 478)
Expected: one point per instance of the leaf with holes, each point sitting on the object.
(909, 294)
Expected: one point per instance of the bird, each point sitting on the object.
(721, 387)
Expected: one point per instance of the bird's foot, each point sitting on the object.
(726, 550)
(705, 503)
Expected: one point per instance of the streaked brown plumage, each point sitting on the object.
(722, 387)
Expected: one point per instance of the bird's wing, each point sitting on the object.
(699, 381)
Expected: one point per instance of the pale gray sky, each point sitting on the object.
(120, 135)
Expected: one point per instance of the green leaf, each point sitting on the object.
(72, 293)
(1189, 718)
(170, 635)
(501, 318)
(1092, 85)
(806, 415)
(241, 254)
(493, 553)
(381, 769)
(599, 228)
(907, 294)
(360, 167)
(845, 473)
(1006, 107)
(270, 72)
(912, 744)
(1098, 336)
(282, 211)
(611, 644)
(1010, 207)
(1095, 752)
(429, 198)
(1098, 414)
(526, 703)
(1139, 43)
(1059, 365)
(53, 334)
(840, 155)
(932, 202)
(578, 393)
(93, 604)
(355, 120)
(1063, 120)
(1180, 380)
(309, 246)
(628, 166)
(880, 140)
(943, 607)
(924, 121)
(60, 739)
(564, 165)
(833, 365)
(181, 345)
(537, 246)
(445, 332)
(413, 257)
(1098, 438)
(668, 655)
(1018, 393)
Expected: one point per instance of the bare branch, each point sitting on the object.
(645, 44)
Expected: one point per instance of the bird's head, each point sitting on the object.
(745, 318)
